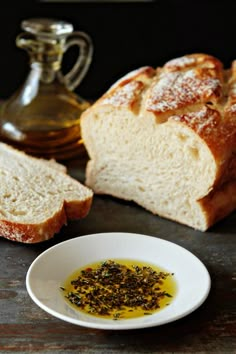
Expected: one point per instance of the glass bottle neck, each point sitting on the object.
(44, 72)
(45, 57)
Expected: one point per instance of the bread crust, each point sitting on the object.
(193, 92)
(33, 233)
(56, 197)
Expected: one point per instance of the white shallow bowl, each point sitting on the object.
(51, 268)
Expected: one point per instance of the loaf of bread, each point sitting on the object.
(37, 197)
(165, 138)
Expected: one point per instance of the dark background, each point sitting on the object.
(125, 36)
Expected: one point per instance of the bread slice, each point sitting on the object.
(37, 197)
(165, 138)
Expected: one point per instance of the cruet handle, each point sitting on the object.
(73, 78)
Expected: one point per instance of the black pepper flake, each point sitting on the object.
(112, 287)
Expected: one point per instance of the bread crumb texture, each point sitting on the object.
(166, 139)
(37, 197)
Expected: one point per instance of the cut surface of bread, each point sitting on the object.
(37, 197)
(165, 138)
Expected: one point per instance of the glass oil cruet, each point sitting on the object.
(43, 116)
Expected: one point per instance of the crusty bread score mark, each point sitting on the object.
(192, 89)
(174, 127)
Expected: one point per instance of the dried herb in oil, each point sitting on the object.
(111, 287)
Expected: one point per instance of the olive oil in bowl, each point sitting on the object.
(119, 289)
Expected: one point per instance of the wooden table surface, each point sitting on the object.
(25, 328)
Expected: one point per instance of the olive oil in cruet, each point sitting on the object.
(43, 116)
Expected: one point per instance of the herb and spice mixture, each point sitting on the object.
(113, 289)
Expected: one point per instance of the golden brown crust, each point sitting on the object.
(37, 197)
(197, 93)
(34, 233)
(219, 203)
(193, 61)
(219, 135)
(126, 92)
(193, 90)
(125, 95)
(75, 210)
(184, 82)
